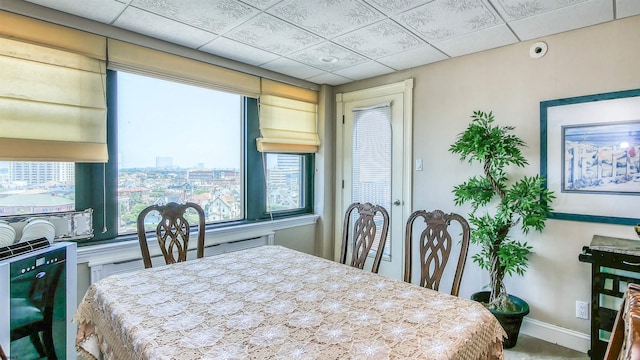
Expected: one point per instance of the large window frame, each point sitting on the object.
(96, 183)
(254, 174)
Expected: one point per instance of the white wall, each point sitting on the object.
(510, 83)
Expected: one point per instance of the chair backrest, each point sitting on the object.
(435, 244)
(172, 232)
(624, 342)
(365, 233)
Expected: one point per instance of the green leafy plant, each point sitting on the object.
(498, 203)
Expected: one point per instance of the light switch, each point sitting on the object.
(418, 164)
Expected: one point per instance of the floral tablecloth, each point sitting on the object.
(271, 302)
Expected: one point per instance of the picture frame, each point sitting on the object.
(590, 156)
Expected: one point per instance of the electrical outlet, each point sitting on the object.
(582, 310)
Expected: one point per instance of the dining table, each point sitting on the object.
(272, 302)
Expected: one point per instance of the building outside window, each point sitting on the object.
(29, 187)
(284, 181)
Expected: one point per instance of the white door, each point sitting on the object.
(374, 144)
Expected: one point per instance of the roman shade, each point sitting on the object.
(288, 119)
(146, 61)
(52, 92)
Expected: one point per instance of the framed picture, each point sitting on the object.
(590, 156)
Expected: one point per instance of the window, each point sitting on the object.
(208, 156)
(33, 187)
(154, 131)
(178, 143)
(285, 173)
(371, 161)
(167, 142)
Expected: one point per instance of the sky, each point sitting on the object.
(155, 116)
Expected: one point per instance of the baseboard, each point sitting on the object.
(556, 335)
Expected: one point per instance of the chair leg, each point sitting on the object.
(47, 336)
(37, 343)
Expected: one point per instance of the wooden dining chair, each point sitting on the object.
(624, 342)
(435, 244)
(172, 231)
(365, 234)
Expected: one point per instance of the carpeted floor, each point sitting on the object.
(530, 348)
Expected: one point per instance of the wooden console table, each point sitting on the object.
(614, 262)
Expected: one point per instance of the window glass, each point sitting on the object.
(29, 187)
(371, 162)
(177, 142)
(285, 173)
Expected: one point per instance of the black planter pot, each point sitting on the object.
(510, 321)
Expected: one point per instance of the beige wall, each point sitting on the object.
(510, 83)
(301, 238)
(325, 174)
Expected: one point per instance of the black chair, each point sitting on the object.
(172, 231)
(33, 314)
(365, 234)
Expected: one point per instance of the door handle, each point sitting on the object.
(397, 203)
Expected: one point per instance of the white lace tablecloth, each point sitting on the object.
(271, 302)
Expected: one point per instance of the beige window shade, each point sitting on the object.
(145, 61)
(52, 101)
(288, 119)
(52, 35)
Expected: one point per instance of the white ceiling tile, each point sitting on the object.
(292, 68)
(271, 34)
(415, 57)
(564, 19)
(234, 50)
(320, 56)
(367, 37)
(100, 10)
(518, 9)
(626, 8)
(380, 39)
(444, 19)
(146, 23)
(364, 71)
(393, 7)
(261, 4)
(478, 41)
(326, 18)
(329, 79)
(214, 16)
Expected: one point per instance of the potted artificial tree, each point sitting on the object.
(499, 204)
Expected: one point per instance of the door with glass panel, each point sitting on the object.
(372, 157)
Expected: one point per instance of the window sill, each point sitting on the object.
(129, 250)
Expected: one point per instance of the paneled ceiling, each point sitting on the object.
(338, 41)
